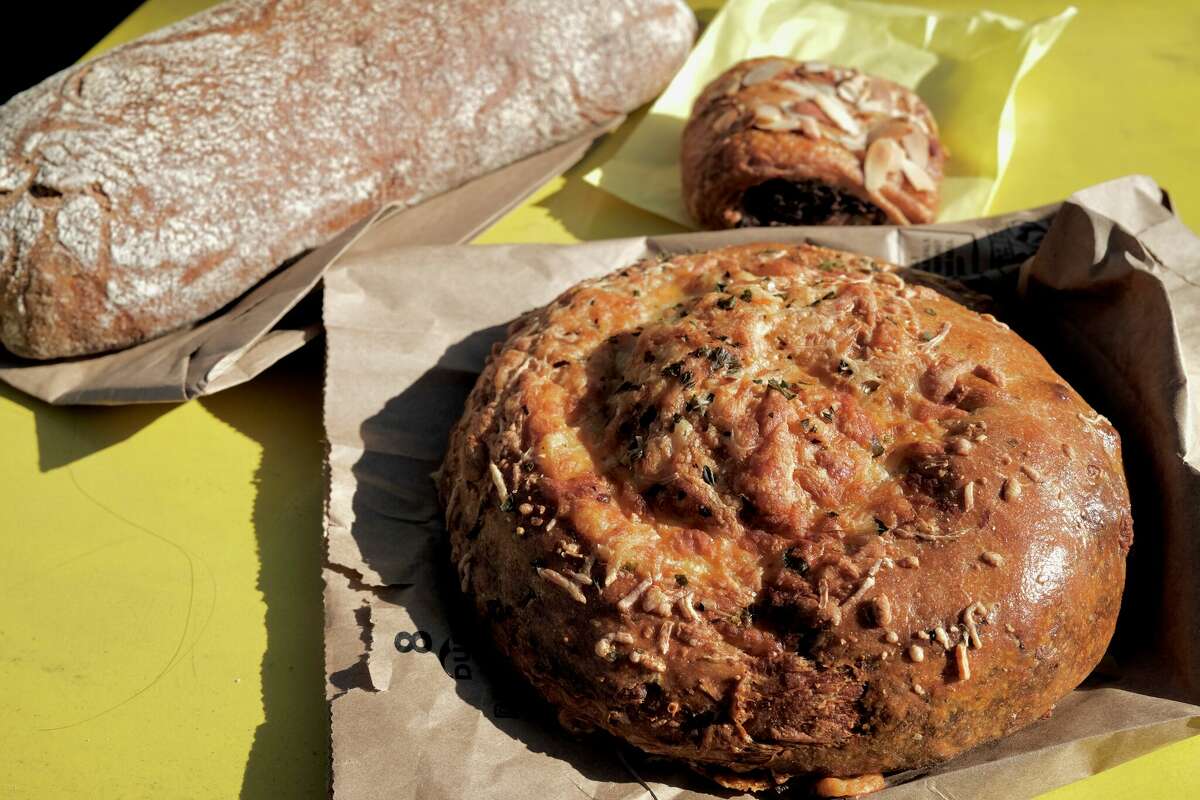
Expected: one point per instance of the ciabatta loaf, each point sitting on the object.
(145, 189)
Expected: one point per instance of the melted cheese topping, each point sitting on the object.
(688, 414)
(741, 475)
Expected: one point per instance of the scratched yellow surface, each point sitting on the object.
(160, 610)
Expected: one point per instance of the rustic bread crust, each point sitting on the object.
(776, 510)
(856, 149)
(147, 188)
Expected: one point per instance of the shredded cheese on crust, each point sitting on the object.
(697, 448)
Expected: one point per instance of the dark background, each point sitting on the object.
(75, 26)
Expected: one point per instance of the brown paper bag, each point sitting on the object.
(1108, 285)
(264, 325)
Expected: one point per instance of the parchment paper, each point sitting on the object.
(264, 325)
(420, 707)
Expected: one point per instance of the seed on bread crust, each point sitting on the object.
(850, 787)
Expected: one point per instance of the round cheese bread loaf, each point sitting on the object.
(778, 510)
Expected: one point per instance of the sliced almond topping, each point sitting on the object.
(837, 112)
(884, 157)
(765, 71)
(726, 120)
(916, 147)
(730, 86)
(893, 128)
(917, 176)
(851, 90)
(869, 105)
(810, 127)
(816, 67)
(767, 113)
(781, 124)
(992, 559)
(919, 119)
(802, 91)
(916, 653)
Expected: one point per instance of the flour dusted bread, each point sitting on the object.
(774, 141)
(781, 510)
(146, 188)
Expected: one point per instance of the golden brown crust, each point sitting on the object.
(842, 147)
(775, 510)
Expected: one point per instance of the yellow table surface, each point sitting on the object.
(161, 621)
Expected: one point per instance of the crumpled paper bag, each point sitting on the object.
(966, 66)
(1107, 285)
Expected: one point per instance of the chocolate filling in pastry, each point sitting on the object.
(783, 202)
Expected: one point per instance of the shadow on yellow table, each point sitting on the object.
(171, 592)
(161, 633)
(289, 498)
(65, 435)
